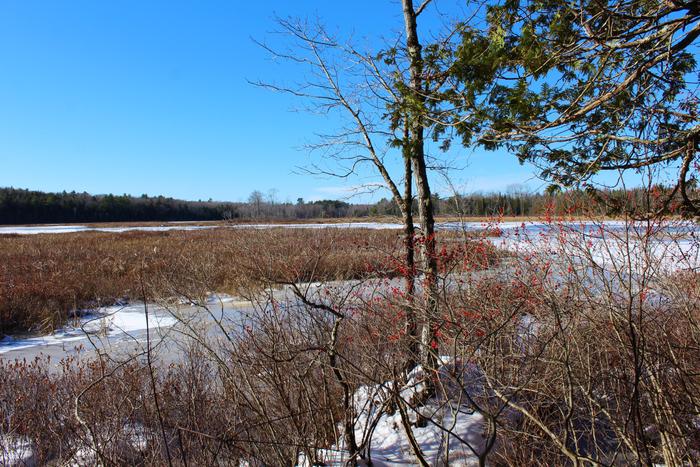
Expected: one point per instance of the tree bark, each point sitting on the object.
(409, 232)
(425, 206)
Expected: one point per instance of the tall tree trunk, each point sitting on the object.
(425, 206)
(409, 232)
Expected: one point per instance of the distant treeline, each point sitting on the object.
(506, 204)
(36, 207)
(19, 206)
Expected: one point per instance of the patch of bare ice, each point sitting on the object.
(105, 322)
(56, 229)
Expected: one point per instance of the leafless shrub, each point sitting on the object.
(589, 343)
(580, 348)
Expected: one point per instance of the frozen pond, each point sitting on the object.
(105, 322)
(608, 243)
(57, 229)
(507, 228)
(120, 328)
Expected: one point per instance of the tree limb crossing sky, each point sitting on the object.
(153, 97)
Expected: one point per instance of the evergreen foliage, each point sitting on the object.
(580, 88)
(19, 206)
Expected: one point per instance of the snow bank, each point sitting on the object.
(454, 437)
(15, 451)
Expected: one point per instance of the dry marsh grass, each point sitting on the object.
(563, 370)
(46, 278)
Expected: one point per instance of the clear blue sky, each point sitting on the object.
(152, 97)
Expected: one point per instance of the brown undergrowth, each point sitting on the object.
(558, 362)
(45, 279)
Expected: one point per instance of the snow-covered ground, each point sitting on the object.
(453, 433)
(18, 451)
(15, 451)
(121, 328)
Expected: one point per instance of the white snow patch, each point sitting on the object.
(15, 451)
(340, 225)
(220, 298)
(508, 229)
(105, 322)
(453, 440)
(56, 229)
(608, 244)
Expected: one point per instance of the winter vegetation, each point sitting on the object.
(48, 278)
(568, 339)
(547, 351)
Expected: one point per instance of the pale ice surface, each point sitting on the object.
(672, 246)
(529, 227)
(104, 322)
(339, 225)
(56, 229)
(21, 230)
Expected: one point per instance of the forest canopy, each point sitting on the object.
(18, 206)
